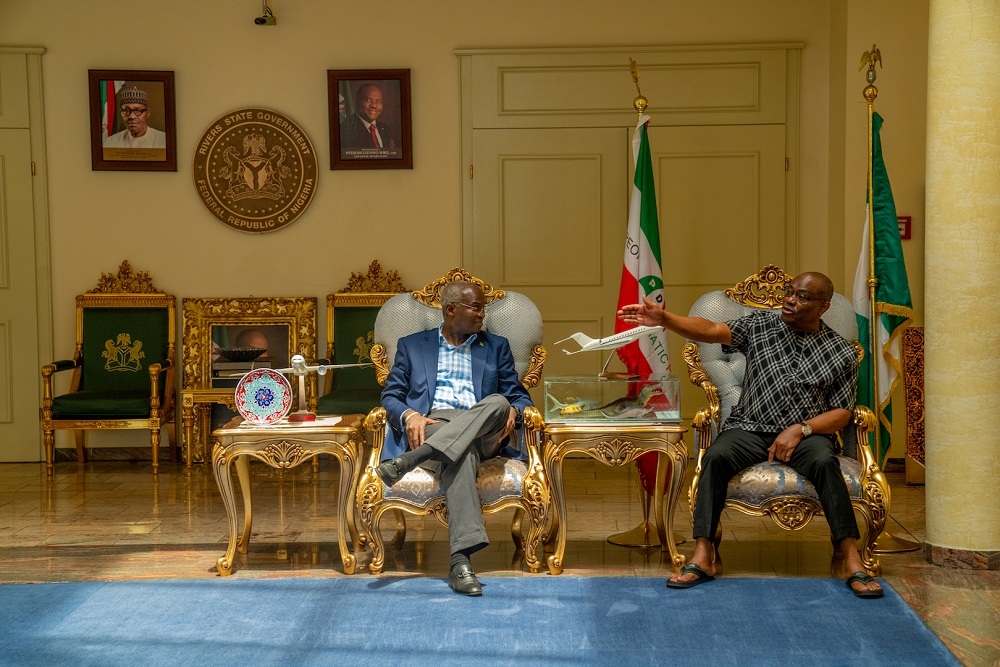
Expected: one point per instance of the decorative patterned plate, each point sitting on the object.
(263, 396)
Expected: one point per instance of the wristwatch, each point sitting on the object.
(807, 430)
(518, 418)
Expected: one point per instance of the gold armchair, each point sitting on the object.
(503, 482)
(123, 365)
(773, 488)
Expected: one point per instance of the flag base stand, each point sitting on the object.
(890, 544)
(642, 536)
(645, 534)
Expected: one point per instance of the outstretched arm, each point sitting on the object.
(649, 314)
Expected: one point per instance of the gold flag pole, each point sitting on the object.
(644, 535)
(885, 543)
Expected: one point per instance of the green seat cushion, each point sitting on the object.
(353, 401)
(102, 404)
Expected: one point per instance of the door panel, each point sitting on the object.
(721, 203)
(550, 211)
(19, 364)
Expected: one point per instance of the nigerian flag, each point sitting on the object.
(641, 273)
(893, 305)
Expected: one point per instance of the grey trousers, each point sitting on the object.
(464, 438)
(735, 449)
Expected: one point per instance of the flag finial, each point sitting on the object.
(640, 103)
(869, 58)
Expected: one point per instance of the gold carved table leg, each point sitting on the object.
(187, 416)
(345, 511)
(220, 464)
(243, 472)
(553, 469)
(664, 512)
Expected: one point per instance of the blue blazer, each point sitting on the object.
(411, 381)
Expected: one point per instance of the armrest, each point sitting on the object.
(864, 423)
(534, 425)
(58, 366)
(47, 371)
(375, 429)
(699, 378)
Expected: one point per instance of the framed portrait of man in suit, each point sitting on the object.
(132, 120)
(370, 119)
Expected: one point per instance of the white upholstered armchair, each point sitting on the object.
(503, 482)
(773, 488)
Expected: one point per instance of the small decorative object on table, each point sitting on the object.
(242, 354)
(263, 396)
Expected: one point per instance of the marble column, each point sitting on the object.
(962, 319)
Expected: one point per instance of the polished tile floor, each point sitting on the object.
(112, 520)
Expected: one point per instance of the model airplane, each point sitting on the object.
(615, 341)
(301, 369)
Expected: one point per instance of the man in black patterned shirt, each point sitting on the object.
(799, 391)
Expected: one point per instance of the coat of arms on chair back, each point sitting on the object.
(120, 343)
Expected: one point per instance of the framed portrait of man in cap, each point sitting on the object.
(132, 120)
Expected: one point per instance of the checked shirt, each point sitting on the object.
(791, 375)
(453, 388)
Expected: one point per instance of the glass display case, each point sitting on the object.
(590, 398)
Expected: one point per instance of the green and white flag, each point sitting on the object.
(893, 305)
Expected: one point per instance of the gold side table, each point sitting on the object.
(614, 444)
(286, 446)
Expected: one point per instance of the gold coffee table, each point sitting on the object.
(286, 446)
(615, 444)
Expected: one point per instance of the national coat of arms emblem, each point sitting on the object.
(255, 170)
(122, 354)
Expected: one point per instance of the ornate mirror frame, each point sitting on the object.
(201, 315)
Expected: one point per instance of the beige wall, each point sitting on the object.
(222, 61)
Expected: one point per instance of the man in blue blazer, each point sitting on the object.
(453, 399)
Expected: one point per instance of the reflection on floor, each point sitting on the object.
(114, 520)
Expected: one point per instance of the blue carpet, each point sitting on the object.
(520, 620)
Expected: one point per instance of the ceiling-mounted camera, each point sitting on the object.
(268, 16)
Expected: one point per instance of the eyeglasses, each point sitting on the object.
(133, 112)
(801, 295)
(478, 309)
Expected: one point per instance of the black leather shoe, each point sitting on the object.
(463, 580)
(390, 471)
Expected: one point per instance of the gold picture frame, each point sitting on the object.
(203, 316)
(132, 120)
(370, 119)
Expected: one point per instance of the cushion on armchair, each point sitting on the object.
(763, 482)
(103, 403)
(498, 478)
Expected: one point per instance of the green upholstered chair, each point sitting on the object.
(123, 365)
(350, 334)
